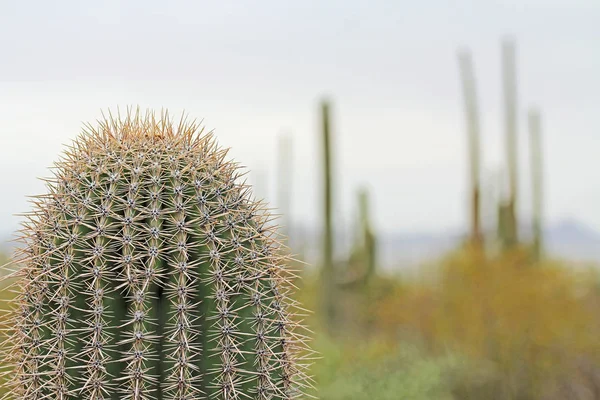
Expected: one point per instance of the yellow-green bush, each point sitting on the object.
(535, 325)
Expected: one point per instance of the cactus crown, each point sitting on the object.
(149, 272)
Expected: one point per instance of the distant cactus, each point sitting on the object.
(147, 273)
(368, 236)
(362, 262)
(285, 153)
(472, 118)
(537, 181)
(327, 271)
(509, 78)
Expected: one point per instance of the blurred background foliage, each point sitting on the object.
(467, 328)
(495, 318)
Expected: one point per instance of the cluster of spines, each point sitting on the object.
(149, 273)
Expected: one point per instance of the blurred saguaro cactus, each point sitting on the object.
(284, 182)
(363, 256)
(509, 80)
(260, 180)
(537, 180)
(369, 240)
(328, 286)
(473, 134)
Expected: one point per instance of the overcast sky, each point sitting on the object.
(254, 69)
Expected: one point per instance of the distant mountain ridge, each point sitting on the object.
(567, 239)
(571, 230)
(573, 240)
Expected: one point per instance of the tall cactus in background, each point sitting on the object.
(260, 182)
(369, 239)
(510, 106)
(364, 253)
(147, 273)
(327, 271)
(536, 180)
(472, 123)
(284, 182)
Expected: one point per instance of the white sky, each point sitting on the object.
(254, 69)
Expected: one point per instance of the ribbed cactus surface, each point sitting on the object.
(149, 272)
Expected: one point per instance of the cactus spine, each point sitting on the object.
(536, 180)
(148, 274)
(472, 119)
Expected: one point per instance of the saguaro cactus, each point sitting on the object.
(369, 241)
(148, 274)
(537, 180)
(363, 255)
(284, 181)
(509, 78)
(472, 118)
(327, 272)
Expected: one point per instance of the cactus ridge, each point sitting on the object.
(148, 271)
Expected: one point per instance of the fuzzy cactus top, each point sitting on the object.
(149, 272)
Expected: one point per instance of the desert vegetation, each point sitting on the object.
(497, 318)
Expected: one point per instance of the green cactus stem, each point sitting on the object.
(472, 118)
(368, 236)
(148, 273)
(537, 181)
(509, 80)
(361, 266)
(327, 269)
(284, 182)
